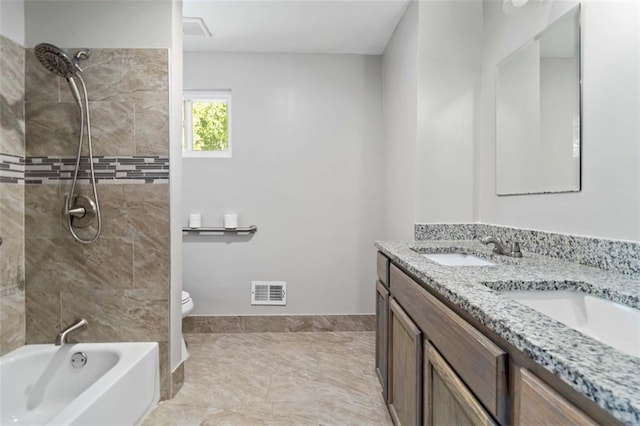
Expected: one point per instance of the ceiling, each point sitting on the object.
(297, 26)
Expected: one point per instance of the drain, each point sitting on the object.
(78, 360)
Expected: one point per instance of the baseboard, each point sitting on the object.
(277, 323)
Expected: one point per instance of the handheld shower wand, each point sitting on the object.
(79, 210)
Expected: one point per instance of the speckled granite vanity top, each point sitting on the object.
(604, 375)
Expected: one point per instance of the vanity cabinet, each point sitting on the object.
(447, 400)
(536, 403)
(441, 370)
(382, 322)
(382, 335)
(475, 359)
(405, 368)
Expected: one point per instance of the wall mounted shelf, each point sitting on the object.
(218, 230)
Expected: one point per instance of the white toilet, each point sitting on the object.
(187, 308)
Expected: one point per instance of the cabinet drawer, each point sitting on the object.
(383, 269)
(538, 404)
(476, 359)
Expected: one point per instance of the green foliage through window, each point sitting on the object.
(209, 126)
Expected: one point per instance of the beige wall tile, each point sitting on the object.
(111, 128)
(108, 263)
(43, 210)
(12, 320)
(42, 315)
(12, 265)
(151, 262)
(52, 264)
(11, 97)
(177, 379)
(11, 210)
(125, 75)
(51, 129)
(152, 129)
(147, 310)
(103, 310)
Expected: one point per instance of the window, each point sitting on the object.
(207, 124)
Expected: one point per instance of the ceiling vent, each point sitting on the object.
(195, 27)
(268, 293)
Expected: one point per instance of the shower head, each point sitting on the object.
(58, 61)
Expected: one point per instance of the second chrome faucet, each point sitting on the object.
(500, 247)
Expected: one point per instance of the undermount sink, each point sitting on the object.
(458, 259)
(609, 322)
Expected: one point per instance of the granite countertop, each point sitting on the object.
(604, 375)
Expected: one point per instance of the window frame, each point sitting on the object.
(188, 97)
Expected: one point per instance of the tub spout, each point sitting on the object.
(79, 324)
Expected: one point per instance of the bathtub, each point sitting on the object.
(118, 385)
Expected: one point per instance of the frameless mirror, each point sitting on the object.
(538, 112)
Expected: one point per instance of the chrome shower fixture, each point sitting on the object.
(79, 210)
(58, 61)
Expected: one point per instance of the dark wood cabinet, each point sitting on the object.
(382, 336)
(405, 368)
(538, 404)
(447, 401)
(443, 371)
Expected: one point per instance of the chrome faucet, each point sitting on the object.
(79, 324)
(500, 247)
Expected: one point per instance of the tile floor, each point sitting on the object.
(247, 379)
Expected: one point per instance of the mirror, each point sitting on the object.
(538, 112)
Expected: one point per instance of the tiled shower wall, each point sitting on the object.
(120, 284)
(12, 305)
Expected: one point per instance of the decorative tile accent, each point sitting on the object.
(11, 169)
(613, 255)
(277, 323)
(601, 373)
(125, 169)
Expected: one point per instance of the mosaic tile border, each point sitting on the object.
(50, 170)
(12, 169)
(277, 323)
(121, 169)
(612, 255)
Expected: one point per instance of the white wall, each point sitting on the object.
(449, 76)
(305, 169)
(175, 188)
(431, 70)
(12, 20)
(609, 204)
(99, 24)
(400, 115)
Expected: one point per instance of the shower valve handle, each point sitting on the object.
(77, 212)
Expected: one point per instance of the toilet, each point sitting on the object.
(187, 308)
(187, 304)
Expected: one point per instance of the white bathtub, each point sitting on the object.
(118, 385)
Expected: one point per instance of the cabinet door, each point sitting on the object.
(447, 401)
(537, 404)
(405, 368)
(382, 335)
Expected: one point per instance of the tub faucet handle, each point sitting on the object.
(79, 324)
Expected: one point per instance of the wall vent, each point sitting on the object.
(195, 27)
(268, 293)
